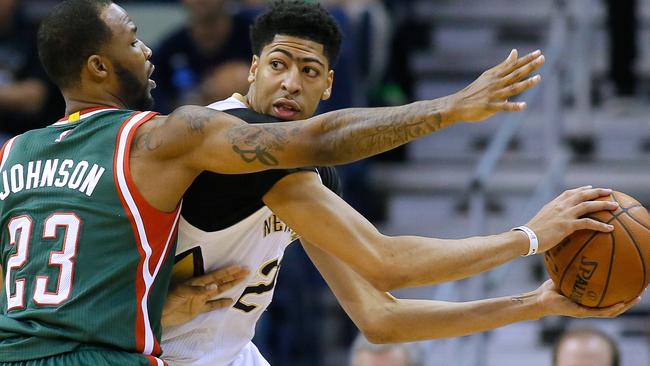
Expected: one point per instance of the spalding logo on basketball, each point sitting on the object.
(602, 269)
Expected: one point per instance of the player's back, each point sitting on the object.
(83, 254)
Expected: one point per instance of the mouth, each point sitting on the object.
(152, 84)
(286, 109)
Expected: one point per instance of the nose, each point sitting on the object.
(147, 51)
(291, 82)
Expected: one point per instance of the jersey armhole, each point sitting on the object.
(123, 151)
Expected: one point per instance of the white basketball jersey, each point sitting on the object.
(256, 242)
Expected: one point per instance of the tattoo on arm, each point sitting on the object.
(517, 299)
(384, 129)
(259, 143)
(343, 136)
(146, 141)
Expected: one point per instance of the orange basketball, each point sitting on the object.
(601, 269)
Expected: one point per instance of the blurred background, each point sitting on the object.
(587, 124)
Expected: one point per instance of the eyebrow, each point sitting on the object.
(131, 24)
(291, 56)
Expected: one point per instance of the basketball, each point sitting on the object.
(601, 269)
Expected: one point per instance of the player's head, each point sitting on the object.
(364, 353)
(585, 347)
(89, 48)
(294, 47)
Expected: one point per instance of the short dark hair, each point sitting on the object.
(71, 33)
(583, 333)
(297, 19)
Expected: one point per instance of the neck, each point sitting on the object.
(75, 103)
(248, 100)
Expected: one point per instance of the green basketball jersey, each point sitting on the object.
(86, 259)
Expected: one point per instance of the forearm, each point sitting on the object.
(386, 262)
(352, 134)
(384, 319)
(26, 96)
(416, 261)
(415, 320)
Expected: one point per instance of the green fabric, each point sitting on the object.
(101, 308)
(87, 357)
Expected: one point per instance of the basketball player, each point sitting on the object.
(90, 204)
(248, 220)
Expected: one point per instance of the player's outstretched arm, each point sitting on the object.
(324, 219)
(205, 139)
(385, 319)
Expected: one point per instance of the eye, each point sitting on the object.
(135, 43)
(310, 71)
(277, 65)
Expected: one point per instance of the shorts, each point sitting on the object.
(92, 357)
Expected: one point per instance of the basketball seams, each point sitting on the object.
(637, 220)
(593, 235)
(638, 250)
(629, 233)
(568, 266)
(609, 269)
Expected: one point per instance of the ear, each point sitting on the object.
(252, 73)
(330, 81)
(97, 68)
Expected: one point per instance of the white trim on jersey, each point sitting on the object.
(148, 277)
(226, 104)
(5, 153)
(84, 116)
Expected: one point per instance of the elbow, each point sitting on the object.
(377, 330)
(326, 145)
(380, 281)
(378, 273)
(378, 336)
(381, 269)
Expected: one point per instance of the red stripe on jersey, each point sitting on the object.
(153, 361)
(85, 111)
(156, 222)
(139, 280)
(7, 146)
(157, 232)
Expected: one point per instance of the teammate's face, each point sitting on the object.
(289, 78)
(127, 61)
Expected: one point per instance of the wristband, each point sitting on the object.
(533, 243)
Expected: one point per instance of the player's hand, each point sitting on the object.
(565, 214)
(197, 295)
(489, 94)
(554, 303)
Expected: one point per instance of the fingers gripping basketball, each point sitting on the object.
(601, 269)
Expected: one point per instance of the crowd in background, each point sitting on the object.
(208, 59)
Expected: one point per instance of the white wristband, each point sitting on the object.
(533, 244)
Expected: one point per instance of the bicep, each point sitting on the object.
(327, 221)
(215, 141)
